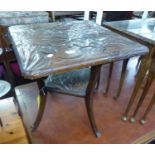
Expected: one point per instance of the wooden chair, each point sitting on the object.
(150, 78)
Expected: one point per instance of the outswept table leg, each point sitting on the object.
(41, 104)
(95, 72)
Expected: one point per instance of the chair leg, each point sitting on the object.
(143, 119)
(95, 71)
(109, 78)
(141, 73)
(41, 104)
(123, 73)
(146, 88)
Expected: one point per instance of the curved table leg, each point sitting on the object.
(144, 66)
(41, 105)
(123, 73)
(146, 88)
(143, 119)
(95, 71)
(109, 78)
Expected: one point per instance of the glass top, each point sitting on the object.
(43, 49)
(139, 28)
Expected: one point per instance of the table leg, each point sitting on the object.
(95, 72)
(41, 105)
(144, 66)
(109, 78)
(123, 73)
(1, 123)
(143, 119)
(146, 88)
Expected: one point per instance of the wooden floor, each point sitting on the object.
(65, 119)
(12, 131)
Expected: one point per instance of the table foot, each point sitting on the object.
(143, 121)
(132, 119)
(124, 117)
(98, 134)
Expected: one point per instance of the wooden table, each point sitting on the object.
(143, 31)
(44, 49)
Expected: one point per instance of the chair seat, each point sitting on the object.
(73, 82)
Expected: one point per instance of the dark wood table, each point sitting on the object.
(142, 31)
(44, 49)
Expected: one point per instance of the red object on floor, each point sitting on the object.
(15, 68)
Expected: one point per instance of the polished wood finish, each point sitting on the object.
(12, 130)
(81, 53)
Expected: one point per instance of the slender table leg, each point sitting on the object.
(146, 88)
(123, 73)
(41, 105)
(109, 78)
(144, 66)
(143, 119)
(1, 123)
(95, 72)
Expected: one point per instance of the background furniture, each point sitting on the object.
(149, 81)
(9, 18)
(141, 31)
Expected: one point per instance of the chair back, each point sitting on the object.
(99, 16)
